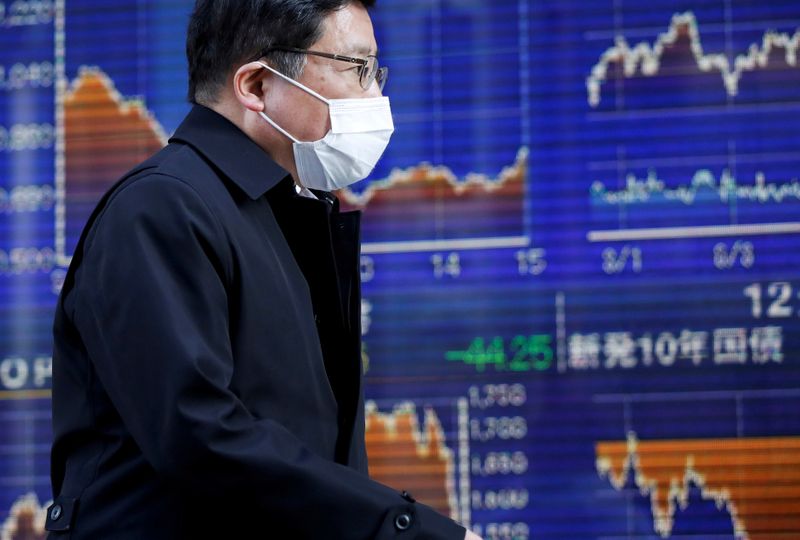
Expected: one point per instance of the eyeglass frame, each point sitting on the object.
(383, 71)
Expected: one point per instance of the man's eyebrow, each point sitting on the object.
(363, 50)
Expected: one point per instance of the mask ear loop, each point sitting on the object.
(287, 134)
(294, 82)
(274, 124)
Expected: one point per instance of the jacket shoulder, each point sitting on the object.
(175, 172)
(169, 194)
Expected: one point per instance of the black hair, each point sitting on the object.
(225, 33)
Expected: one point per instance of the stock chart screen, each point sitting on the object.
(580, 263)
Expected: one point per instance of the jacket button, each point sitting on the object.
(402, 522)
(55, 512)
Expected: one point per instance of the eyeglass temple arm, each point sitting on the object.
(332, 56)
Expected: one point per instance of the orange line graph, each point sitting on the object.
(429, 205)
(104, 130)
(104, 135)
(757, 480)
(646, 60)
(426, 181)
(407, 456)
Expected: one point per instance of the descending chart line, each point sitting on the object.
(666, 470)
(95, 118)
(404, 450)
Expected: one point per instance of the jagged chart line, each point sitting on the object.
(427, 439)
(677, 465)
(86, 91)
(727, 190)
(133, 105)
(411, 174)
(647, 59)
(663, 518)
(438, 185)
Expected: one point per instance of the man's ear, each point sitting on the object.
(249, 85)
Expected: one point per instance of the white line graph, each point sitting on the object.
(645, 59)
(727, 189)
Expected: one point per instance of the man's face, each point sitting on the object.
(348, 32)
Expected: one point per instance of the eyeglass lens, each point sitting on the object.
(371, 72)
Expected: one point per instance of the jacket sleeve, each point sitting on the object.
(151, 307)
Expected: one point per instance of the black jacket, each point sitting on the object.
(206, 371)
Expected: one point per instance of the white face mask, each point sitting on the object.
(360, 130)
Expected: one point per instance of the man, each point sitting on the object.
(206, 372)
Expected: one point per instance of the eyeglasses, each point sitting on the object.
(368, 68)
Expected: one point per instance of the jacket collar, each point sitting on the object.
(230, 150)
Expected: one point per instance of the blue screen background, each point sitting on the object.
(645, 284)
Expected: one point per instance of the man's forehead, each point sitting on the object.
(350, 30)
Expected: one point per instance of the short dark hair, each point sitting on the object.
(224, 33)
